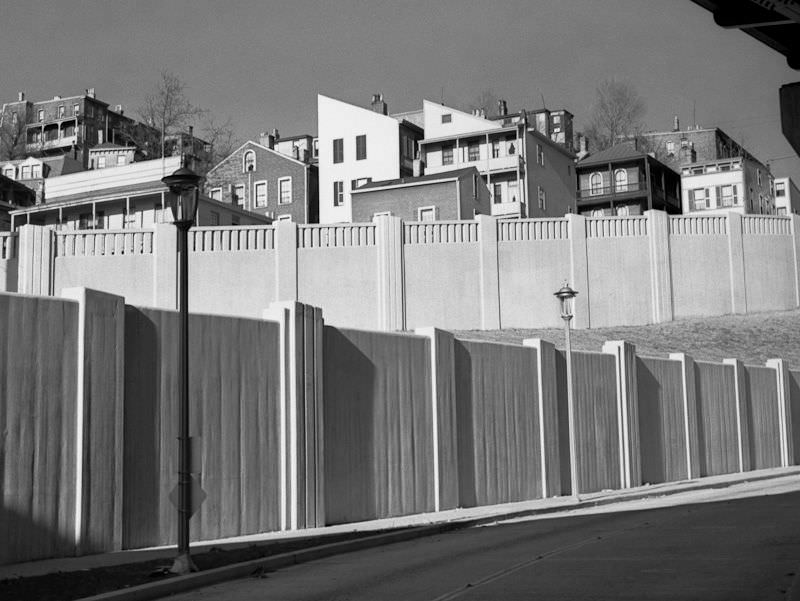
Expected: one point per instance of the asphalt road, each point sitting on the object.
(737, 543)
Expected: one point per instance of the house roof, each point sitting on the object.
(111, 146)
(258, 146)
(411, 181)
(620, 152)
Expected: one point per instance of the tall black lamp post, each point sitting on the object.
(566, 295)
(184, 187)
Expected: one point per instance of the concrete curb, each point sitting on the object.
(180, 584)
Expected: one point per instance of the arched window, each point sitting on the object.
(623, 211)
(596, 184)
(249, 161)
(621, 180)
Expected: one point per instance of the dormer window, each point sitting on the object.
(249, 161)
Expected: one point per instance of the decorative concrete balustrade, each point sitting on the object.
(479, 274)
(299, 424)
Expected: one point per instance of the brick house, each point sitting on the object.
(444, 196)
(264, 181)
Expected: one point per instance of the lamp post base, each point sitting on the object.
(183, 564)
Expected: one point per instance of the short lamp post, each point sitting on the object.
(184, 187)
(566, 296)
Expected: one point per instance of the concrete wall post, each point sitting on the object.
(660, 268)
(784, 410)
(99, 420)
(736, 262)
(579, 270)
(35, 260)
(391, 279)
(285, 261)
(690, 431)
(165, 266)
(443, 417)
(302, 475)
(742, 429)
(627, 411)
(489, 276)
(548, 416)
(795, 227)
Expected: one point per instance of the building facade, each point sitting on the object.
(623, 180)
(262, 180)
(129, 196)
(356, 146)
(445, 196)
(527, 174)
(787, 196)
(33, 171)
(13, 195)
(69, 125)
(737, 184)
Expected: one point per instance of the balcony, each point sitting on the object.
(622, 191)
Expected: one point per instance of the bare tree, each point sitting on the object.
(486, 101)
(12, 135)
(616, 115)
(221, 137)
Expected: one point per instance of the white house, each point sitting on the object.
(787, 196)
(356, 146)
(736, 184)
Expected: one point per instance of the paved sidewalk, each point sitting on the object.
(401, 528)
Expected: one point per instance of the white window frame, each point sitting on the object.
(338, 193)
(596, 190)
(217, 192)
(620, 183)
(281, 180)
(236, 197)
(248, 153)
(447, 117)
(433, 208)
(497, 191)
(258, 204)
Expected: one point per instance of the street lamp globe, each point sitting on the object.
(184, 185)
(566, 295)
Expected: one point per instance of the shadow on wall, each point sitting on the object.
(465, 428)
(349, 415)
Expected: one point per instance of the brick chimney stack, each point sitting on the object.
(378, 105)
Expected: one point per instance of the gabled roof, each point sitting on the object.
(625, 151)
(259, 147)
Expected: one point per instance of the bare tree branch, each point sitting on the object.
(616, 115)
(12, 134)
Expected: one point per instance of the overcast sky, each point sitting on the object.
(263, 62)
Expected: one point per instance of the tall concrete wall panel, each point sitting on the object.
(718, 424)
(794, 411)
(38, 380)
(378, 425)
(242, 287)
(234, 394)
(764, 417)
(700, 262)
(130, 276)
(769, 278)
(498, 423)
(662, 421)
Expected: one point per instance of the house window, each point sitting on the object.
(85, 221)
(62, 110)
(426, 214)
(14, 118)
(131, 219)
(249, 161)
(475, 186)
(540, 154)
(261, 194)
(26, 172)
(76, 109)
(315, 149)
(670, 147)
(216, 193)
(758, 176)
(41, 115)
(623, 211)
(36, 171)
(684, 143)
(782, 211)
(9, 172)
(214, 218)
(497, 193)
(338, 194)
(338, 150)
(699, 198)
(473, 151)
(447, 118)
(780, 189)
(542, 198)
(513, 188)
(621, 180)
(101, 162)
(238, 195)
(595, 184)
(357, 183)
(285, 190)
(361, 147)
(447, 155)
(727, 195)
(495, 149)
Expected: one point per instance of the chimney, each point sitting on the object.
(57, 97)
(378, 105)
(90, 93)
(676, 124)
(304, 157)
(268, 139)
(274, 133)
(295, 152)
(419, 168)
(502, 108)
(20, 96)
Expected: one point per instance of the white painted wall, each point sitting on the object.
(460, 122)
(710, 181)
(339, 119)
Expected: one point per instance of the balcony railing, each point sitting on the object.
(611, 190)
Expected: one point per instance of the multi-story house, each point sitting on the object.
(129, 196)
(623, 180)
(109, 154)
(259, 179)
(33, 171)
(447, 195)
(739, 184)
(555, 124)
(69, 125)
(787, 196)
(302, 147)
(356, 146)
(528, 175)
